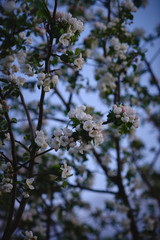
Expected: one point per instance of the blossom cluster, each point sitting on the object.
(24, 66)
(114, 62)
(62, 138)
(17, 80)
(112, 24)
(47, 81)
(126, 114)
(75, 26)
(128, 4)
(41, 139)
(100, 26)
(6, 184)
(28, 40)
(9, 6)
(84, 122)
(29, 235)
(10, 69)
(84, 130)
(106, 83)
(120, 48)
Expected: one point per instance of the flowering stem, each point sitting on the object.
(11, 228)
(6, 234)
(14, 164)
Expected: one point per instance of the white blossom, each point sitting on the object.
(7, 61)
(7, 187)
(25, 194)
(27, 69)
(6, 166)
(76, 25)
(93, 128)
(78, 128)
(9, 6)
(22, 35)
(54, 143)
(65, 170)
(57, 133)
(29, 40)
(67, 132)
(65, 39)
(41, 139)
(128, 4)
(88, 125)
(40, 30)
(64, 141)
(78, 62)
(98, 139)
(21, 56)
(45, 80)
(29, 182)
(72, 144)
(106, 82)
(41, 76)
(54, 79)
(20, 81)
(47, 89)
(29, 235)
(127, 114)
(101, 26)
(6, 184)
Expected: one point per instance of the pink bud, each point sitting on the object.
(123, 110)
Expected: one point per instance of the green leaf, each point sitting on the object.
(64, 58)
(14, 120)
(77, 51)
(64, 184)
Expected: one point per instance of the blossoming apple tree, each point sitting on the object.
(51, 137)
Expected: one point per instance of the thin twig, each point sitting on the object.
(40, 154)
(5, 157)
(23, 146)
(92, 190)
(28, 115)
(62, 99)
(152, 74)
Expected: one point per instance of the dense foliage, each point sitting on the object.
(72, 95)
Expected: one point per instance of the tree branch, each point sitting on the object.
(28, 115)
(153, 76)
(92, 190)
